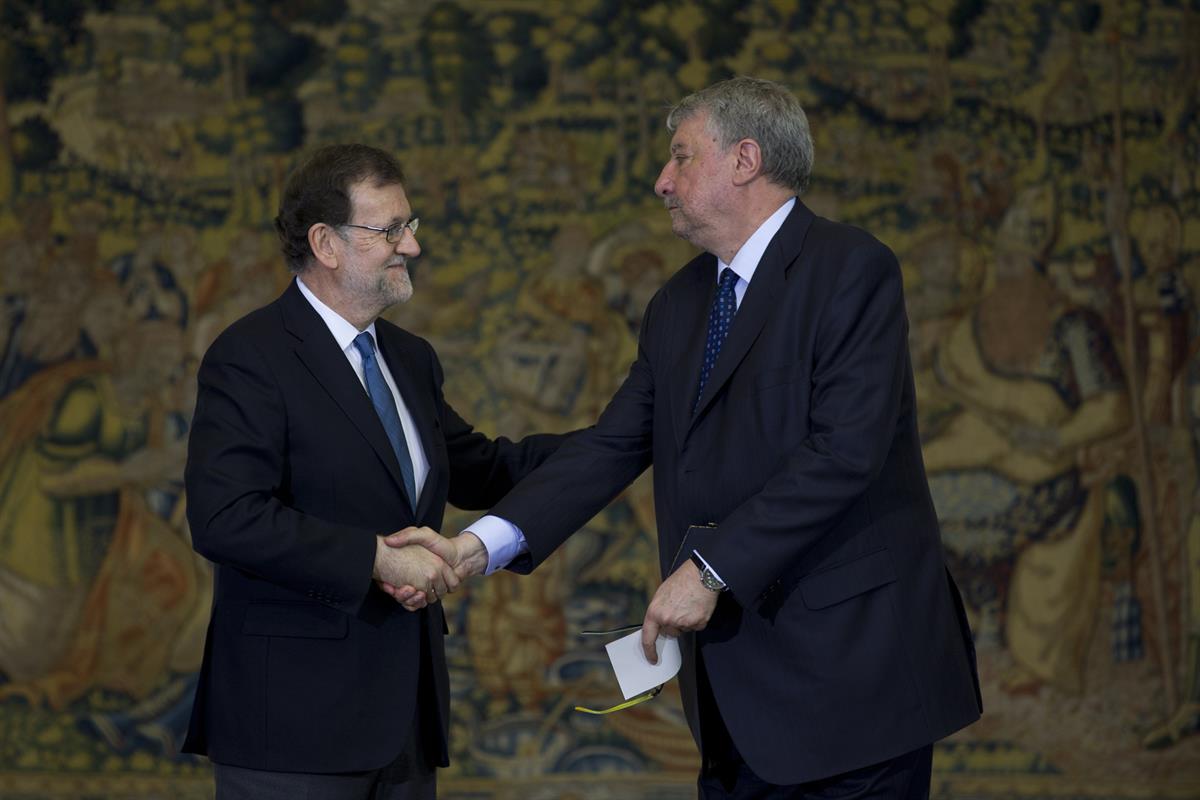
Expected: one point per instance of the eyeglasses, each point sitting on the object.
(393, 233)
(631, 702)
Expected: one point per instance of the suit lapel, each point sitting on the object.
(692, 308)
(419, 403)
(761, 299)
(318, 350)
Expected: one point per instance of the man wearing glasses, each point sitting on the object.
(318, 429)
(824, 643)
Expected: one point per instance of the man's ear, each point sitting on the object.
(749, 162)
(320, 239)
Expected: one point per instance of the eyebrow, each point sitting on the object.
(677, 147)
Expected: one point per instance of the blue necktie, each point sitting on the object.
(385, 407)
(719, 318)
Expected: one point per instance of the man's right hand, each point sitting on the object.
(465, 553)
(420, 567)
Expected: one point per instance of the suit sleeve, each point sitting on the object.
(590, 469)
(237, 477)
(482, 470)
(860, 368)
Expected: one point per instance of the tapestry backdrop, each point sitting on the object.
(1034, 165)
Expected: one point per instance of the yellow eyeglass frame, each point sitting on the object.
(631, 702)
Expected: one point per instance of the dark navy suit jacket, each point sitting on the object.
(842, 640)
(308, 666)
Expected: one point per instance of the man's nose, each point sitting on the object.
(664, 185)
(407, 245)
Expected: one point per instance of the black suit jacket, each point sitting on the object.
(842, 641)
(308, 666)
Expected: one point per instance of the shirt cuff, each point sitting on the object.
(503, 540)
(697, 554)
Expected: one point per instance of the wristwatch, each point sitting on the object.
(708, 578)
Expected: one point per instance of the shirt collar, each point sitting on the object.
(343, 331)
(746, 261)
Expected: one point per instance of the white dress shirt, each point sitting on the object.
(505, 541)
(344, 333)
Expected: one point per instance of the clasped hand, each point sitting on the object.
(418, 566)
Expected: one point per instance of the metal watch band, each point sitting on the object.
(707, 579)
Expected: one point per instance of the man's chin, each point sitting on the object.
(403, 293)
(680, 228)
(399, 285)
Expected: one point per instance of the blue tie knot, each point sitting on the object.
(728, 279)
(365, 346)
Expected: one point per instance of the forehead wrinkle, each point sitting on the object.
(370, 200)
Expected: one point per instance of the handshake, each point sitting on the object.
(418, 566)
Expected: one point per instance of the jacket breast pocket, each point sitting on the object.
(837, 584)
(777, 376)
(296, 620)
(778, 407)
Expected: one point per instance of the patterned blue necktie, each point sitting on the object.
(385, 407)
(723, 308)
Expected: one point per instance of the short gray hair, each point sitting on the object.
(762, 110)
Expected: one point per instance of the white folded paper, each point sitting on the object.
(634, 673)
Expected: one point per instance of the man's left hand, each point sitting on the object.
(680, 604)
